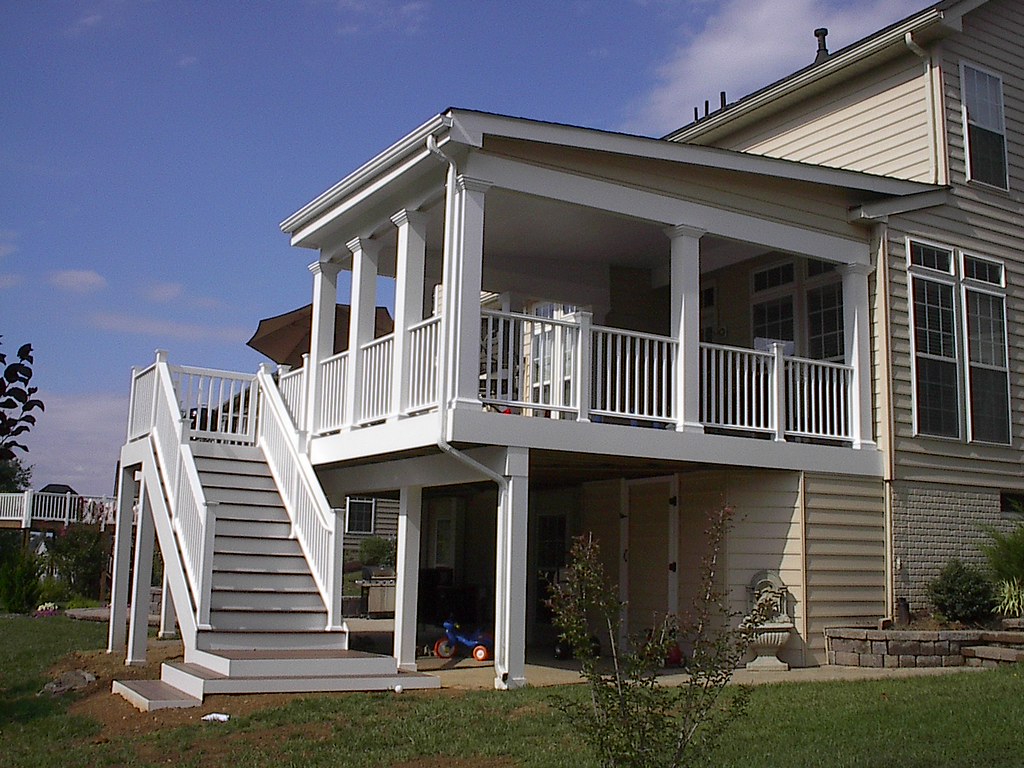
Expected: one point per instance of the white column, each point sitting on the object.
(407, 572)
(463, 298)
(362, 315)
(167, 613)
(685, 287)
(321, 337)
(857, 340)
(412, 245)
(127, 488)
(138, 625)
(510, 582)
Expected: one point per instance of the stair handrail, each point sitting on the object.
(193, 519)
(314, 521)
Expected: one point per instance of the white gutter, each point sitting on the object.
(933, 149)
(448, 281)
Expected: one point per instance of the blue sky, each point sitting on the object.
(149, 150)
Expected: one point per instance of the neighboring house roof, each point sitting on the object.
(57, 488)
(469, 128)
(938, 20)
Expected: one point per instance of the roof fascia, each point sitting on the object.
(471, 127)
(945, 21)
(880, 210)
(382, 162)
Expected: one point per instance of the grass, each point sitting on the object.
(951, 720)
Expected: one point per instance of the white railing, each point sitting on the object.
(529, 362)
(423, 352)
(313, 521)
(140, 415)
(633, 374)
(736, 388)
(818, 397)
(331, 411)
(375, 360)
(30, 507)
(292, 386)
(218, 404)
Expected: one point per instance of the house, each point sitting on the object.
(796, 306)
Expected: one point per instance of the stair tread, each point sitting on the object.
(271, 609)
(150, 695)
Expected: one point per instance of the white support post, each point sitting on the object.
(463, 298)
(168, 617)
(321, 338)
(410, 515)
(778, 386)
(510, 582)
(685, 287)
(127, 489)
(856, 337)
(584, 362)
(412, 245)
(138, 625)
(67, 509)
(362, 315)
(26, 510)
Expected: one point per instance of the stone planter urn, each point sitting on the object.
(766, 589)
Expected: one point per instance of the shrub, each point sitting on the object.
(962, 593)
(79, 556)
(1005, 553)
(1010, 594)
(376, 550)
(19, 582)
(53, 590)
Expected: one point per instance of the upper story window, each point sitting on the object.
(959, 342)
(359, 516)
(984, 127)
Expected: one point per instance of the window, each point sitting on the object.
(359, 516)
(825, 322)
(985, 144)
(773, 314)
(945, 324)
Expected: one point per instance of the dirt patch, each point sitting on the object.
(443, 761)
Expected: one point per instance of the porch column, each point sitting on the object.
(407, 572)
(412, 246)
(321, 337)
(510, 584)
(138, 625)
(365, 254)
(127, 488)
(463, 299)
(857, 353)
(685, 287)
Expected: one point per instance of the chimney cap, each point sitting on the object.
(821, 33)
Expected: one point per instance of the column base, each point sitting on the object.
(509, 684)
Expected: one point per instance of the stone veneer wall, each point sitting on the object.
(898, 648)
(932, 524)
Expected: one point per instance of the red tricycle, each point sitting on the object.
(479, 642)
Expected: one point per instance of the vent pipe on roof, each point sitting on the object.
(821, 33)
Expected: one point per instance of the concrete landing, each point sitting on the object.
(151, 695)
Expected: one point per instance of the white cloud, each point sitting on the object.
(747, 44)
(187, 61)
(359, 16)
(78, 280)
(162, 293)
(9, 281)
(84, 24)
(7, 242)
(167, 329)
(77, 441)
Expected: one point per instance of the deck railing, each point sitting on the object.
(218, 404)
(331, 410)
(423, 351)
(736, 388)
(375, 365)
(292, 386)
(633, 375)
(31, 507)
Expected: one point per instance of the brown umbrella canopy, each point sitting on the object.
(285, 338)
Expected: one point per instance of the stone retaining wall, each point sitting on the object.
(899, 648)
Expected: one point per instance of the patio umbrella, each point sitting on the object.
(285, 338)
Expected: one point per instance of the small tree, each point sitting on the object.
(15, 477)
(628, 719)
(78, 556)
(17, 401)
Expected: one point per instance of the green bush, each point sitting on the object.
(79, 556)
(1010, 595)
(962, 593)
(376, 550)
(19, 582)
(1005, 553)
(53, 590)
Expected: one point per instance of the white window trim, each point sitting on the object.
(966, 134)
(373, 516)
(960, 285)
(796, 290)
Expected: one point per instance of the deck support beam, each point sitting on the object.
(510, 582)
(138, 625)
(127, 492)
(410, 515)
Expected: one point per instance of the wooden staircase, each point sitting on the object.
(268, 621)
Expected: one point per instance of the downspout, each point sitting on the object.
(933, 159)
(443, 358)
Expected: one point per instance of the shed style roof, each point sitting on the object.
(936, 21)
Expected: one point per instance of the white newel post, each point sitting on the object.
(127, 489)
(778, 385)
(463, 299)
(412, 245)
(26, 510)
(685, 287)
(510, 582)
(856, 337)
(365, 254)
(410, 515)
(138, 625)
(584, 365)
(321, 336)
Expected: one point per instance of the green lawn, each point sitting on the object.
(972, 719)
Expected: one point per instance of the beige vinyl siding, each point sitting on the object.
(599, 516)
(385, 524)
(845, 553)
(992, 40)
(877, 124)
(987, 231)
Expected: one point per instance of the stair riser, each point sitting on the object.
(261, 601)
(375, 665)
(230, 641)
(262, 528)
(250, 545)
(258, 620)
(183, 681)
(319, 684)
(222, 479)
(272, 581)
(228, 561)
(254, 513)
(243, 495)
